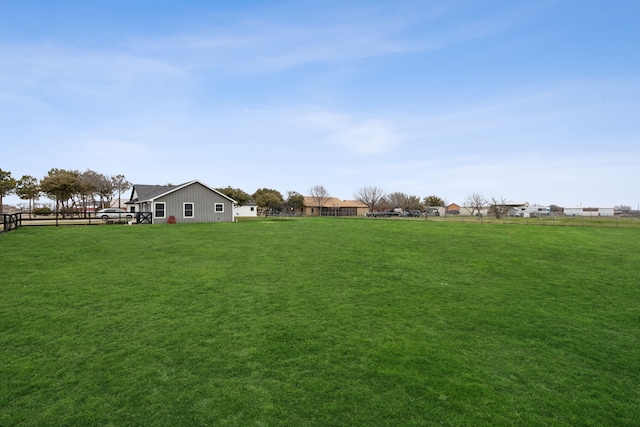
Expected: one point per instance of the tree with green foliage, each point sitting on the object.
(294, 201)
(7, 186)
(28, 188)
(433, 201)
(62, 186)
(240, 196)
(268, 199)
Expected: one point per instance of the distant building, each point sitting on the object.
(452, 209)
(527, 211)
(590, 211)
(246, 210)
(334, 207)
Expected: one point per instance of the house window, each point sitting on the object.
(252, 209)
(219, 207)
(159, 210)
(188, 210)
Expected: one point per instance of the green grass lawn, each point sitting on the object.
(323, 322)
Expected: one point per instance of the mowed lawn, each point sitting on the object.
(320, 322)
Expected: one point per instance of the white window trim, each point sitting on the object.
(215, 208)
(164, 209)
(184, 209)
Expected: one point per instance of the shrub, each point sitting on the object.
(42, 211)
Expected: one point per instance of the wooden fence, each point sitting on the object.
(11, 222)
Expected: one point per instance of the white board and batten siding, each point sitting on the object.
(204, 205)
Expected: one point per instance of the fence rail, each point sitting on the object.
(11, 222)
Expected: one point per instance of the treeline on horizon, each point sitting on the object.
(73, 191)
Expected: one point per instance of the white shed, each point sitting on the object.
(247, 210)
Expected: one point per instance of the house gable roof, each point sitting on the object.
(148, 193)
(143, 193)
(333, 202)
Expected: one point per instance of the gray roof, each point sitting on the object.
(150, 192)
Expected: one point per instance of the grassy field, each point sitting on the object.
(320, 322)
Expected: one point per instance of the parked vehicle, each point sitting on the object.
(111, 214)
(378, 214)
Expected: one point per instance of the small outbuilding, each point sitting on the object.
(247, 210)
(190, 202)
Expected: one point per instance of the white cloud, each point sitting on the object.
(49, 62)
(268, 44)
(361, 136)
(368, 137)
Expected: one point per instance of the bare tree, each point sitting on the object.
(105, 190)
(120, 184)
(623, 209)
(96, 184)
(475, 202)
(397, 200)
(90, 182)
(384, 204)
(499, 207)
(445, 203)
(370, 196)
(412, 203)
(320, 196)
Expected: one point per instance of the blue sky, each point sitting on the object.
(530, 101)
